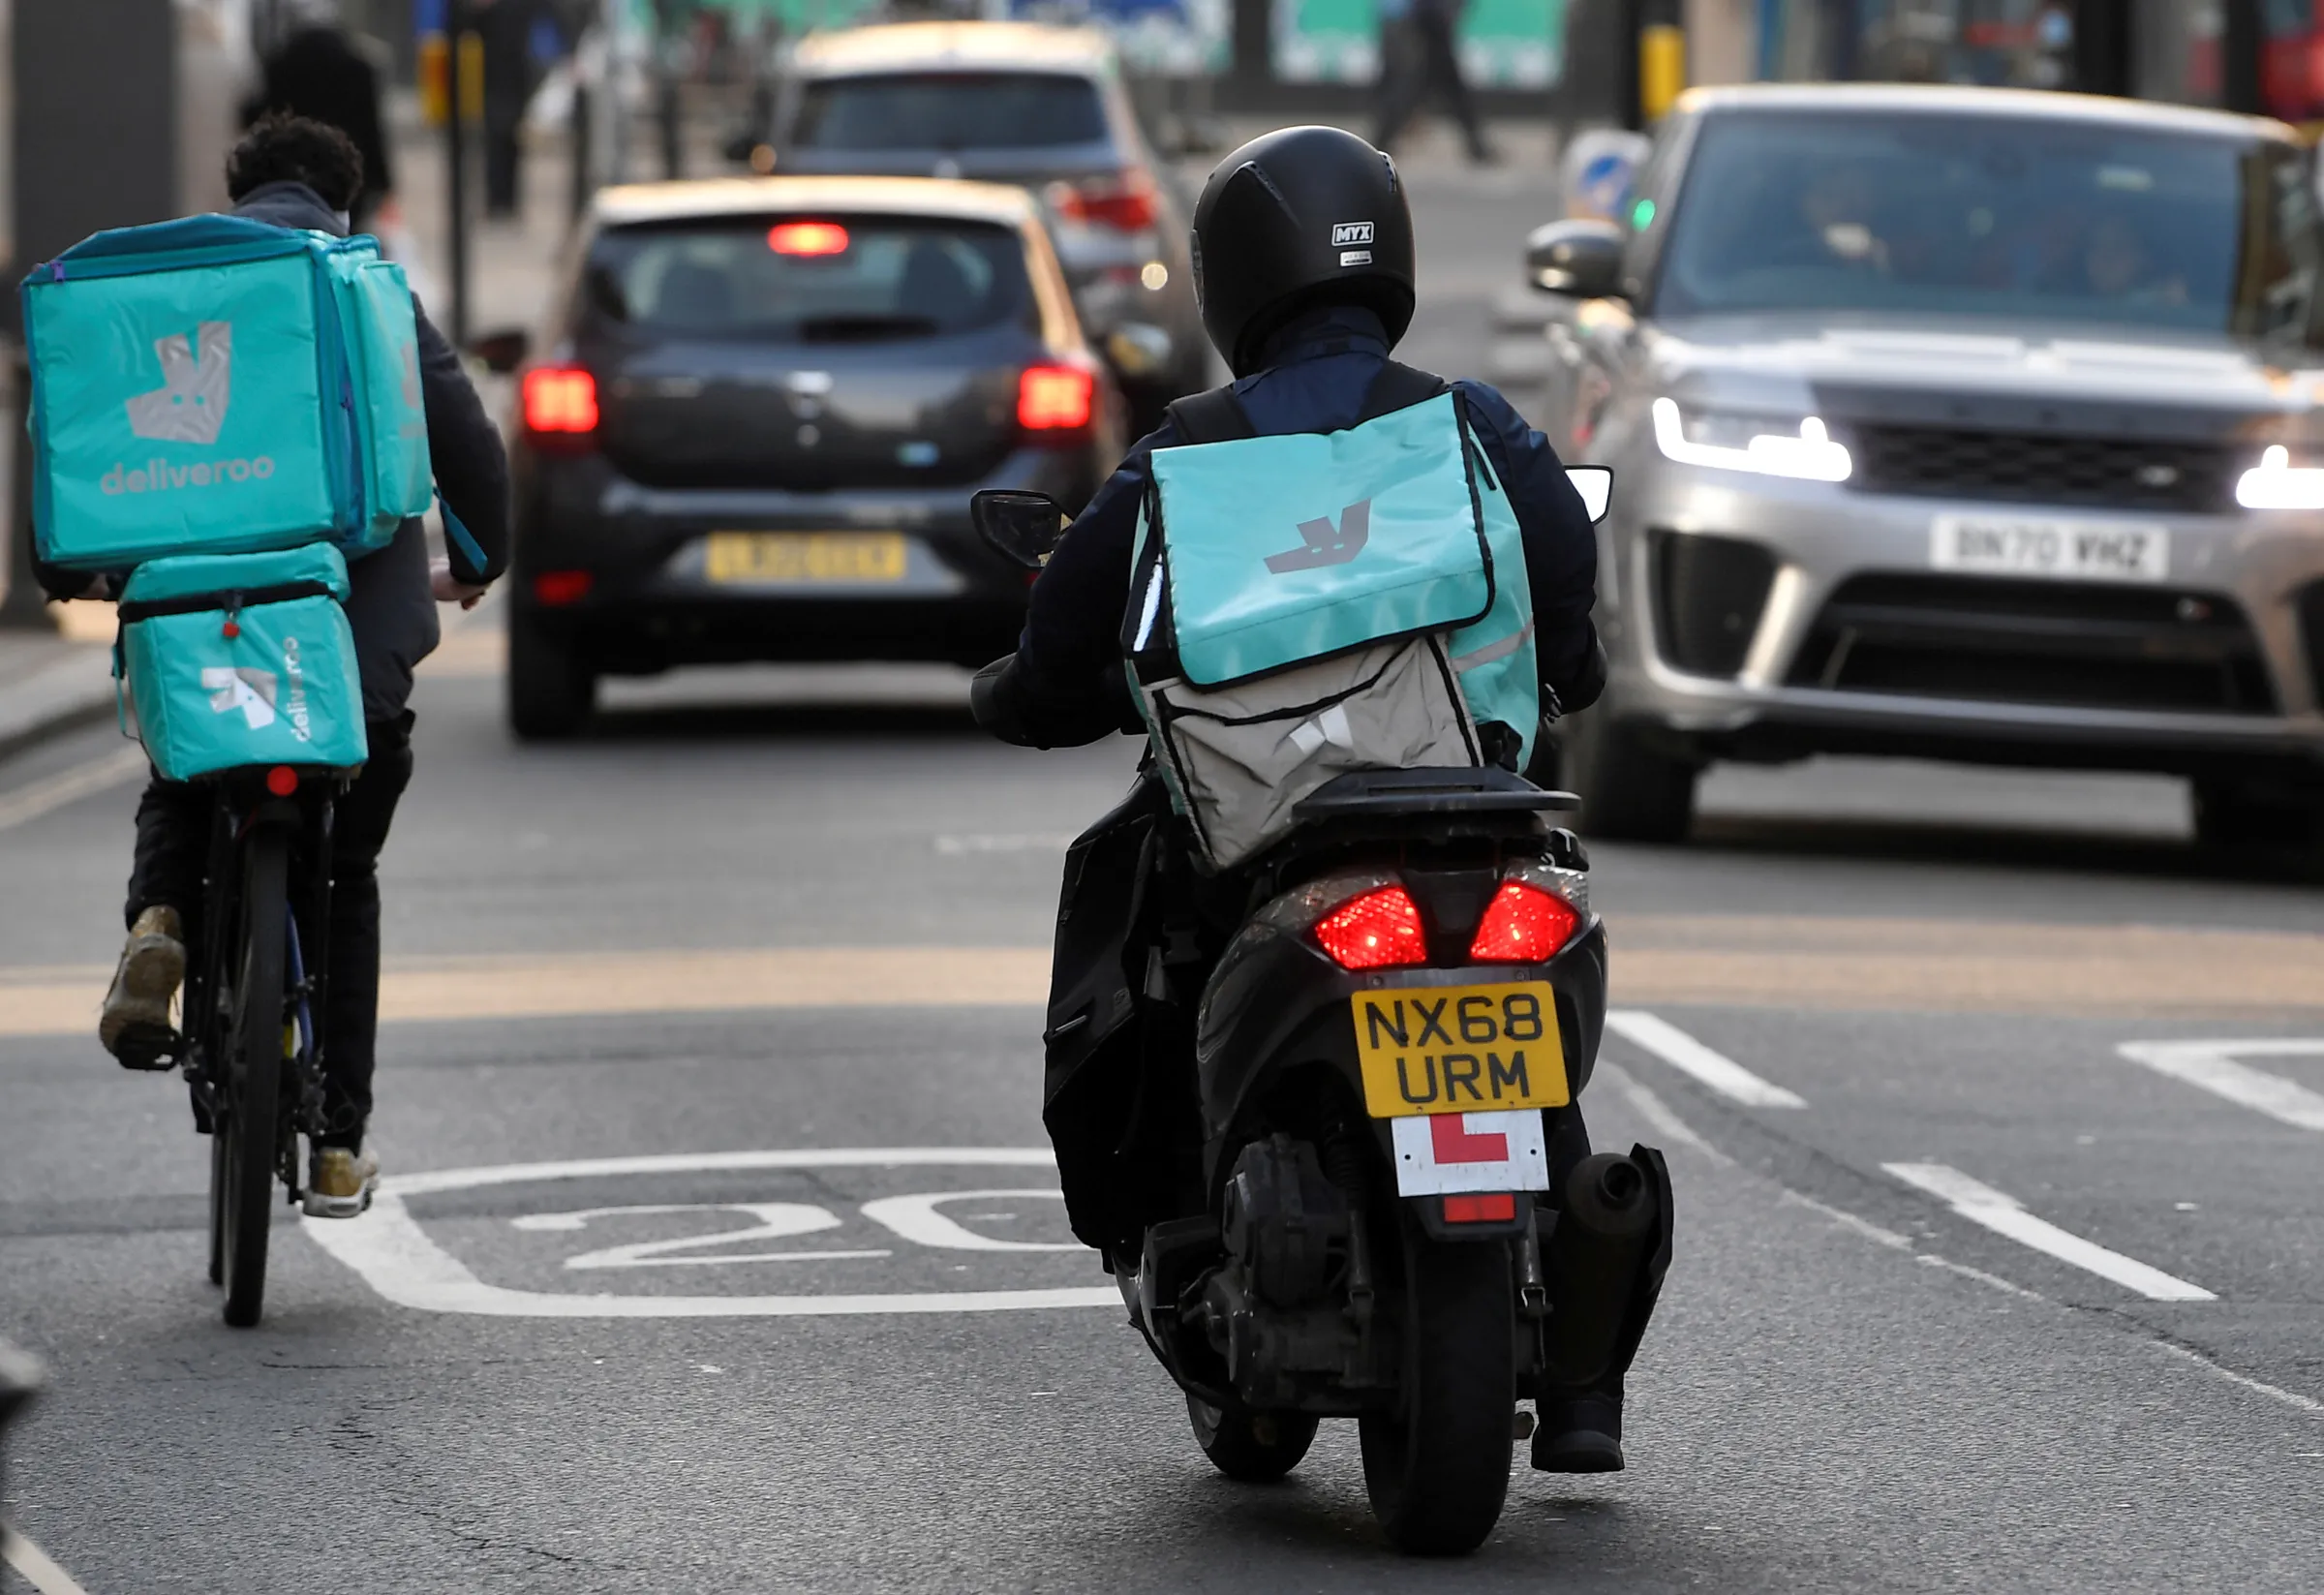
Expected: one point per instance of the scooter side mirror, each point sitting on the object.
(1022, 527)
(1596, 485)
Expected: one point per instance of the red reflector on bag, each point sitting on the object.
(1496, 1208)
(232, 629)
(1523, 925)
(1377, 930)
(560, 399)
(1055, 398)
(562, 587)
(808, 238)
(282, 781)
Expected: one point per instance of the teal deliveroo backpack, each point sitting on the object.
(219, 384)
(1307, 604)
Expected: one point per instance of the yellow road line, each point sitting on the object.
(1832, 964)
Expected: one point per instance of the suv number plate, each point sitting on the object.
(2013, 545)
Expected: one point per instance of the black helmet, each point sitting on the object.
(1299, 216)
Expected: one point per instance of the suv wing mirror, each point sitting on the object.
(1022, 527)
(1581, 259)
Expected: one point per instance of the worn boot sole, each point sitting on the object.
(1576, 1451)
(320, 1205)
(135, 1023)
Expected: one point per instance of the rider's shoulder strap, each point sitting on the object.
(1213, 417)
(1398, 388)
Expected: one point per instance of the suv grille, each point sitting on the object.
(1997, 641)
(2043, 468)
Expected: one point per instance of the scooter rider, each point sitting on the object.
(1303, 261)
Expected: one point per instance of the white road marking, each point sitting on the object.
(776, 1221)
(2258, 1386)
(2213, 1067)
(36, 797)
(29, 1559)
(2003, 1215)
(1683, 1053)
(392, 1253)
(916, 1219)
(1656, 1112)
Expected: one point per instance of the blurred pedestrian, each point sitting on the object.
(1418, 53)
(514, 33)
(319, 71)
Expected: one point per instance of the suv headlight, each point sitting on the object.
(2276, 483)
(1767, 445)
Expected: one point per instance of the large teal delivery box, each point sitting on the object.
(217, 384)
(233, 659)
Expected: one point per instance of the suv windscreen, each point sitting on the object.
(949, 111)
(821, 279)
(1938, 214)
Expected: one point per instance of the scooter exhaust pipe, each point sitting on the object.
(1610, 1221)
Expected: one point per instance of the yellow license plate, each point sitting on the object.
(805, 556)
(1460, 1048)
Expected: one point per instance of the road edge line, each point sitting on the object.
(38, 1567)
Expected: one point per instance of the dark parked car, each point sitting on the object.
(757, 428)
(1040, 107)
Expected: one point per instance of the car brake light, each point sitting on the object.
(1496, 1208)
(1377, 930)
(556, 588)
(1055, 398)
(560, 398)
(1523, 925)
(808, 238)
(1125, 202)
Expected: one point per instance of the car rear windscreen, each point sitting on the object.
(1999, 216)
(809, 279)
(949, 111)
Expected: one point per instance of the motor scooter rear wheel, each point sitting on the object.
(1437, 1467)
(1257, 1448)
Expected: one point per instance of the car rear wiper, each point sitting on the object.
(844, 329)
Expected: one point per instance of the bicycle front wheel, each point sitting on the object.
(250, 1120)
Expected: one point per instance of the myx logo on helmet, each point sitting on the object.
(187, 408)
(1344, 233)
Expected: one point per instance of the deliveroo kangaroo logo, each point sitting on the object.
(240, 687)
(1325, 544)
(190, 405)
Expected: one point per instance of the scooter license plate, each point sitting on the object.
(1460, 1048)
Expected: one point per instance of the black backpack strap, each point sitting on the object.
(1398, 388)
(1213, 417)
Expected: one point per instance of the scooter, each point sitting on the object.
(1410, 984)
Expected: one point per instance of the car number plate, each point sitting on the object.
(1460, 1048)
(2040, 546)
(804, 558)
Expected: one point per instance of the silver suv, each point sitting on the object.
(1958, 424)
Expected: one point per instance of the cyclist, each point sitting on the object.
(300, 174)
(1306, 320)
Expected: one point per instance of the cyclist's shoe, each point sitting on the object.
(134, 1024)
(340, 1182)
(1579, 1435)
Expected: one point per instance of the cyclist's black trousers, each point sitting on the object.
(174, 846)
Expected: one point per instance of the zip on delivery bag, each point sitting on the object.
(233, 659)
(223, 386)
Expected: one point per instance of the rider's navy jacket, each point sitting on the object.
(1315, 374)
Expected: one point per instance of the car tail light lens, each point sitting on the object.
(1377, 930)
(1523, 925)
(1056, 398)
(808, 238)
(560, 399)
(1492, 1208)
(1125, 202)
(557, 588)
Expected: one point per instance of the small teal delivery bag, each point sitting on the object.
(221, 384)
(232, 659)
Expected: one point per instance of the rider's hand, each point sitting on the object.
(450, 588)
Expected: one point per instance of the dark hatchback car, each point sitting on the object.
(1043, 107)
(763, 412)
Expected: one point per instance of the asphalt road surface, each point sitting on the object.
(722, 1252)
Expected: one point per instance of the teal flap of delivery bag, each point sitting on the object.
(1294, 547)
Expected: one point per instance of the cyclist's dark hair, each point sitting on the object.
(283, 148)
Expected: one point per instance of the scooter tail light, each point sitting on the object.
(1523, 925)
(1488, 1208)
(1380, 930)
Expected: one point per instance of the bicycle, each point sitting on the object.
(252, 1008)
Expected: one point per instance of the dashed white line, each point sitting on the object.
(30, 1560)
(1689, 1057)
(36, 797)
(2258, 1386)
(2212, 1065)
(2003, 1215)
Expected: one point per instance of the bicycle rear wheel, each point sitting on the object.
(243, 1164)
